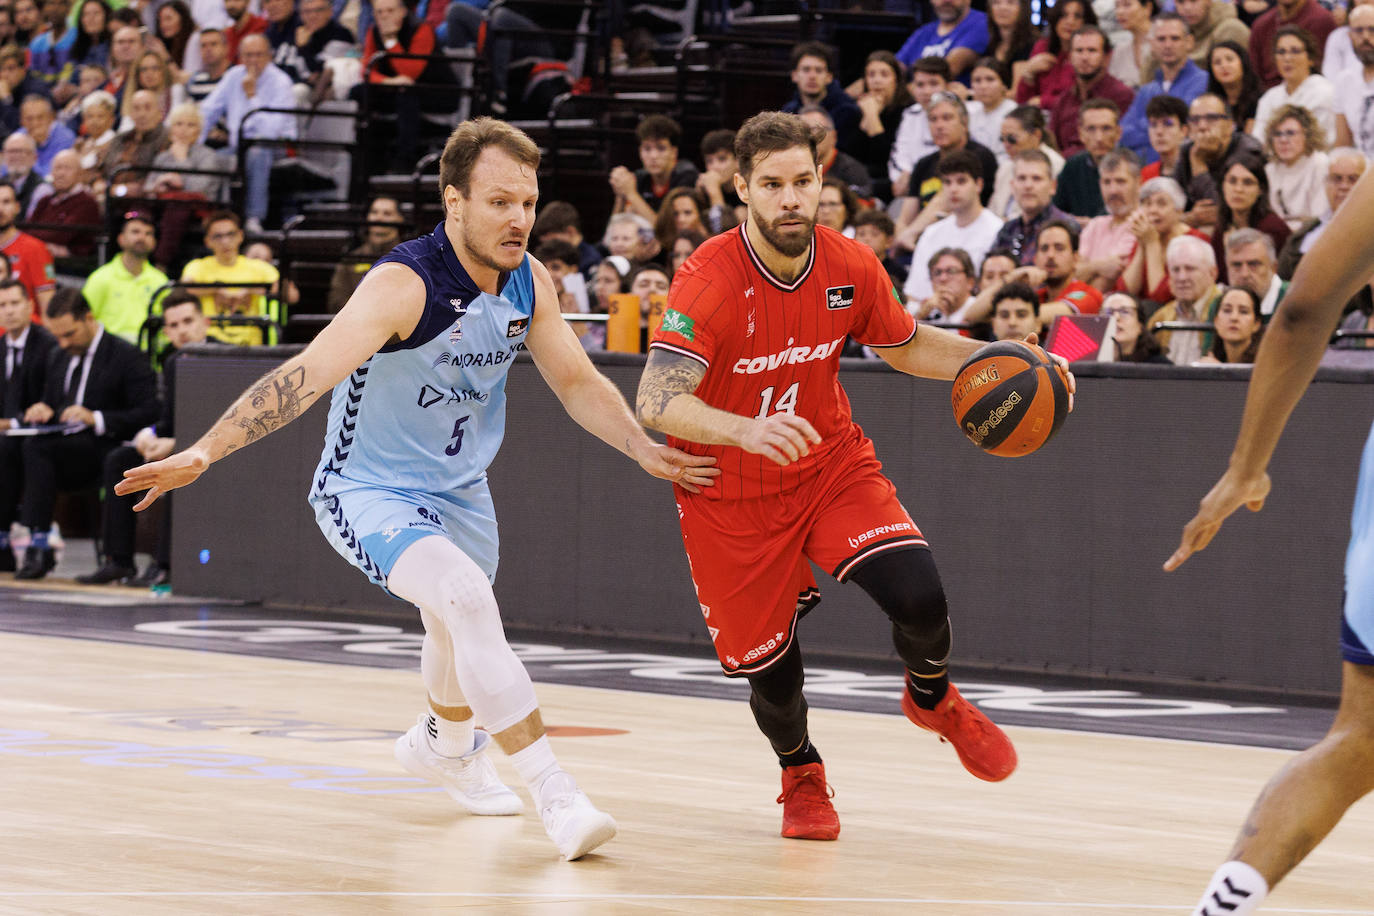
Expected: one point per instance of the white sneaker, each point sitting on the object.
(252, 226)
(470, 779)
(571, 820)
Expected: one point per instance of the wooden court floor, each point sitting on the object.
(141, 780)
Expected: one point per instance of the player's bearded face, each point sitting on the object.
(784, 194)
(790, 233)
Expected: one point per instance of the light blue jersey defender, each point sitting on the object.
(413, 430)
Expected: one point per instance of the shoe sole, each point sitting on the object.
(413, 765)
(824, 834)
(599, 833)
(985, 775)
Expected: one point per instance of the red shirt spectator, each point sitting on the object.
(243, 24)
(1307, 13)
(412, 39)
(32, 265)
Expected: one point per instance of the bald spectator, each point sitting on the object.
(1346, 167)
(71, 204)
(1309, 14)
(836, 163)
(255, 83)
(20, 156)
(50, 136)
(1089, 49)
(242, 23)
(132, 152)
(1192, 269)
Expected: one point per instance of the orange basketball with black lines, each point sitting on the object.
(1009, 398)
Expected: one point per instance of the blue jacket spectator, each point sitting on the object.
(958, 34)
(813, 73)
(1190, 83)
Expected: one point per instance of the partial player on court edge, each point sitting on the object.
(1306, 798)
(744, 369)
(401, 488)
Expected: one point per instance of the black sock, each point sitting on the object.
(804, 754)
(927, 692)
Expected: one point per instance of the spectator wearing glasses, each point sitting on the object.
(1346, 167)
(1355, 87)
(226, 264)
(1213, 142)
(119, 293)
(1299, 84)
(1297, 165)
(951, 278)
(1309, 14)
(1131, 340)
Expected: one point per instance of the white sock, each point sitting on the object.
(536, 764)
(1236, 890)
(450, 738)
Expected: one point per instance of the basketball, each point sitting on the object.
(1009, 398)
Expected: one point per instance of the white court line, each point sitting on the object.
(931, 901)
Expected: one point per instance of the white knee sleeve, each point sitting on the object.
(436, 663)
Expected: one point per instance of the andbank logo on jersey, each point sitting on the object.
(677, 323)
(839, 297)
(429, 396)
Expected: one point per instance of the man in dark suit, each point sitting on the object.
(184, 323)
(104, 386)
(27, 349)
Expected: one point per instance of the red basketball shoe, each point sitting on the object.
(983, 749)
(806, 810)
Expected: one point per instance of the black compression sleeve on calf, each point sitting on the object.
(906, 585)
(775, 698)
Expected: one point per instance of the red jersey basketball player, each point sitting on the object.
(744, 368)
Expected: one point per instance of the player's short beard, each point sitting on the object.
(789, 246)
(474, 252)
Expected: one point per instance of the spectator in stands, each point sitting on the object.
(126, 44)
(1230, 76)
(557, 220)
(1107, 241)
(683, 247)
(317, 38)
(682, 209)
(1355, 88)
(72, 206)
(1211, 22)
(1033, 187)
(6, 25)
(969, 226)
(226, 264)
(1296, 54)
(1157, 223)
(997, 264)
(560, 259)
(282, 22)
(185, 151)
(214, 63)
(1245, 204)
(97, 380)
(717, 182)
(990, 82)
(1023, 129)
(1308, 14)
(623, 235)
(242, 23)
(881, 103)
(28, 347)
(1339, 53)
(1079, 191)
(1239, 328)
(91, 45)
(1346, 167)
(390, 79)
(1212, 142)
(176, 31)
(16, 84)
(1088, 51)
(1174, 74)
(1049, 73)
(50, 51)
(642, 191)
(949, 129)
(874, 228)
(1056, 256)
(1010, 33)
(608, 280)
(647, 281)
(836, 163)
(88, 79)
(1131, 52)
(28, 22)
(1015, 312)
(1297, 165)
(813, 73)
(97, 133)
(28, 258)
(1193, 278)
(913, 142)
(50, 136)
(131, 152)
(120, 292)
(153, 73)
(1168, 128)
(20, 156)
(1132, 340)
(255, 83)
(959, 34)
(383, 233)
(949, 291)
(838, 206)
(1251, 262)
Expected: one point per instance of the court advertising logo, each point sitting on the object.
(677, 323)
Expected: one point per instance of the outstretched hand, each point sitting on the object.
(1226, 497)
(159, 477)
(691, 472)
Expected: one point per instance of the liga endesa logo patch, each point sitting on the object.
(839, 297)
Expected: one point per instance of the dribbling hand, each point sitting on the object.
(159, 477)
(691, 472)
(782, 438)
(1229, 494)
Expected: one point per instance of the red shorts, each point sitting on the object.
(749, 557)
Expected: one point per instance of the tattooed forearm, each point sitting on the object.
(665, 377)
(274, 400)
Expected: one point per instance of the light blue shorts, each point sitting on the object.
(372, 526)
(1357, 626)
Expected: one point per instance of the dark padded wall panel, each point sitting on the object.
(1051, 562)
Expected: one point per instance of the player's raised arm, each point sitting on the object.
(387, 304)
(666, 402)
(593, 401)
(1297, 336)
